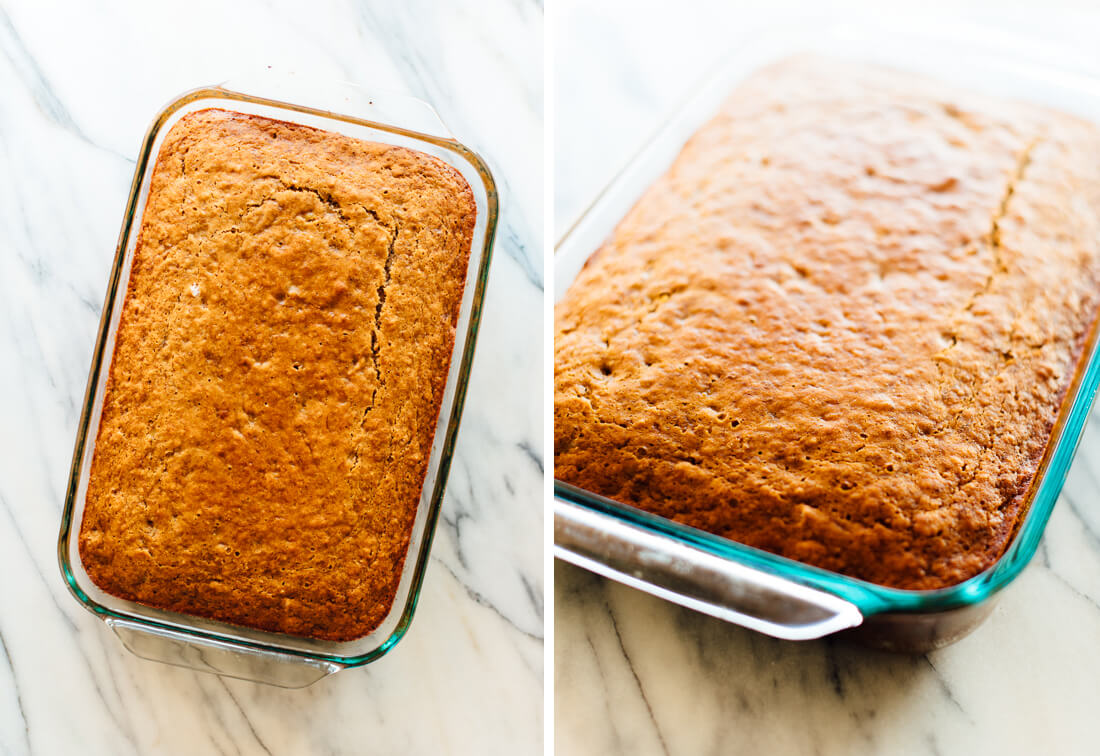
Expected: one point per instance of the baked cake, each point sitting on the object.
(841, 327)
(277, 375)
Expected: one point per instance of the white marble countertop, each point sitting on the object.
(637, 675)
(79, 83)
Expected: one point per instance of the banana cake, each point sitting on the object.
(277, 375)
(840, 328)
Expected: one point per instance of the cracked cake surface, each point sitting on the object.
(841, 326)
(278, 371)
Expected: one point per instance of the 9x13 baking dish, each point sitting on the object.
(759, 590)
(222, 648)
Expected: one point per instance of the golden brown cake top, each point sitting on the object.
(277, 375)
(841, 326)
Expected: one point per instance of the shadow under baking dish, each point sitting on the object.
(753, 588)
(218, 647)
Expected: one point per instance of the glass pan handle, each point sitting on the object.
(688, 576)
(220, 657)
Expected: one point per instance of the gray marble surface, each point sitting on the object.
(637, 675)
(79, 83)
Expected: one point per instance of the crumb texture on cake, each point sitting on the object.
(840, 328)
(277, 374)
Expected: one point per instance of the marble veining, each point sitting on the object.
(80, 83)
(637, 675)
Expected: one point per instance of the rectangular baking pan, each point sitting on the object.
(762, 591)
(225, 649)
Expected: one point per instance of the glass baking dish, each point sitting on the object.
(762, 591)
(224, 649)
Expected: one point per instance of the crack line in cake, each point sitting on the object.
(326, 199)
(998, 266)
(374, 347)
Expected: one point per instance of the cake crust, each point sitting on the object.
(841, 327)
(277, 375)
